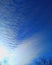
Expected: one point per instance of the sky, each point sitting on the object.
(25, 30)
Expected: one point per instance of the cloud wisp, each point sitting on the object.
(24, 51)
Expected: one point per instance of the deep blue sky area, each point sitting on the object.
(27, 18)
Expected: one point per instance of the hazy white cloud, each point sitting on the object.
(25, 51)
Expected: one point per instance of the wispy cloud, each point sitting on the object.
(20, 52)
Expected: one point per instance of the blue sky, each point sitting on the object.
(27, 22)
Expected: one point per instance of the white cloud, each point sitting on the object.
(25, 51)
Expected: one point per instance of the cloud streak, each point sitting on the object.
(23, 51)
(20, 52)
